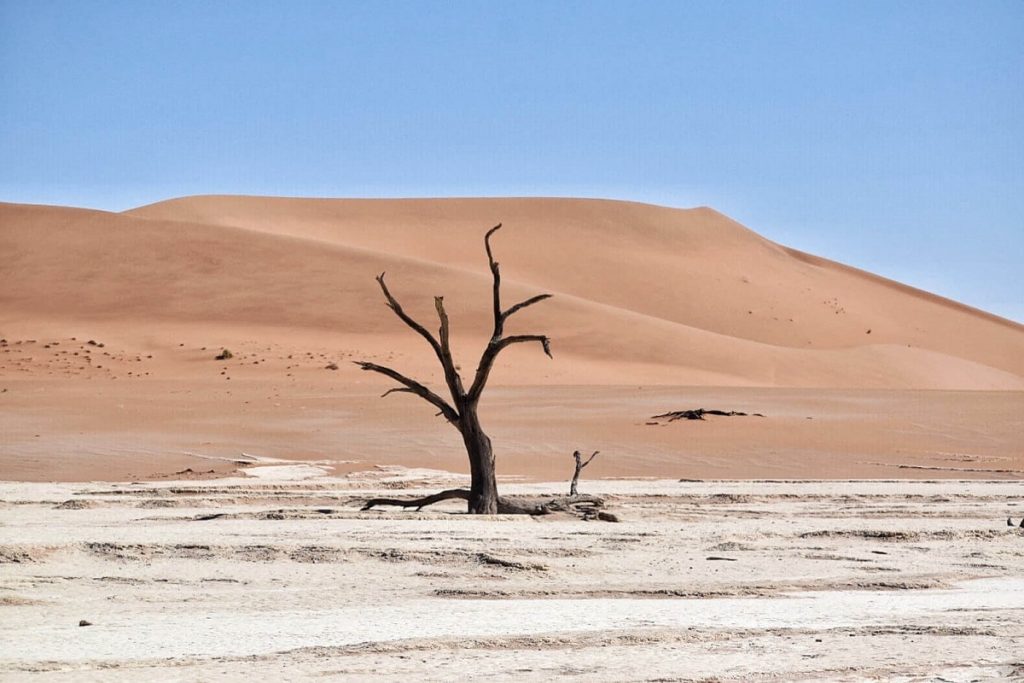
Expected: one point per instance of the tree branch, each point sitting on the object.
(589, 459)
(451, 375)
(523, 338)
(523, 304)
(397, 390)
(418, 503)
(491, 353)
(413, 387)
(499, 318)
(406, 318)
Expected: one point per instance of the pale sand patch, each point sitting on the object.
(835, 580)
(152, 636)
(285, 472)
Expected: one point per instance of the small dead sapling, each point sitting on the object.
(580, 464)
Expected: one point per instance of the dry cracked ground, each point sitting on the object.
(281, 576)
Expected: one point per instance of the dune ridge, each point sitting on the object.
(643, 294)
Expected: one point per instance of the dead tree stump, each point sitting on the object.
(579, 468)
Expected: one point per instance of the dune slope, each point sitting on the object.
(643, 294)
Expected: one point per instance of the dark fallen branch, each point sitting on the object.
(587, 507)
(206, 518)
(418, 503)
(699, 414)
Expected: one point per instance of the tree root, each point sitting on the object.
(586, 507)
(418, 503)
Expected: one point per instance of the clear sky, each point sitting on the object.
(888, 135)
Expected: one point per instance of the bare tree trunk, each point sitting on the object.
(483, 498)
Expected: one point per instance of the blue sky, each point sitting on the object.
(888, 135)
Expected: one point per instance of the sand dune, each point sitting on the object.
(644, 294)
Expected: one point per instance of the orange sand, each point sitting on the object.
(645, 297)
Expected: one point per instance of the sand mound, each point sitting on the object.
(643, 294)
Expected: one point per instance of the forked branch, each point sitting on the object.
(501, 316)
(498, 341)
(406, 318)
(495, 347)
(413, 387)
(439, 344)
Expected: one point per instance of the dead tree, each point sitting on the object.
(461, 410)
(579, 468)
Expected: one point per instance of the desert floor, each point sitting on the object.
(152, 429)
(277, 574)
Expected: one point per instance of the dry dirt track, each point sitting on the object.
(724, 580)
